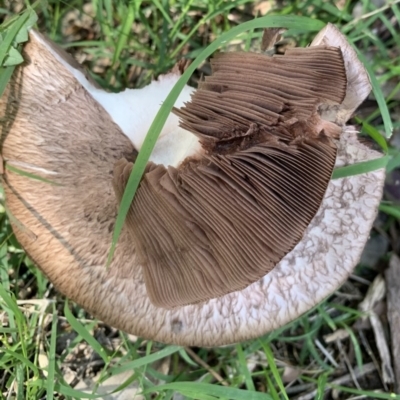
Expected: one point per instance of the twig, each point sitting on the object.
(375, 294)
(359, 279)
(348, 364)
(326, 353)
(369, 351)
(199, 361)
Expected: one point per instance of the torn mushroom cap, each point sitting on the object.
(218, 223)
(52, 126)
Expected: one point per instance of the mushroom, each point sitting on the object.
(236, 228)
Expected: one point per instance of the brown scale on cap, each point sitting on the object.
(217, 224)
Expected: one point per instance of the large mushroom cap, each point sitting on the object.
(59, 126)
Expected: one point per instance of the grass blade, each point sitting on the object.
(11, 34)
(274, 369)
(366, 393)
(124, 33)
(30, 175)
(391, 210)
(271, 387)
(360, 168)
(373, 133)
(321, 385)
(5, 76)
(380, 99)
(210, 390)
(141, 362)
(52, 356)
(244, 369)
(82, 331)
(20, 382)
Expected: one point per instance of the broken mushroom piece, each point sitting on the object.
(236, 213)
(218, 223)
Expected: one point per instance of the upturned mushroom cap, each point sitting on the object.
(59, 126)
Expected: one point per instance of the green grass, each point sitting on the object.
(164, 32)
